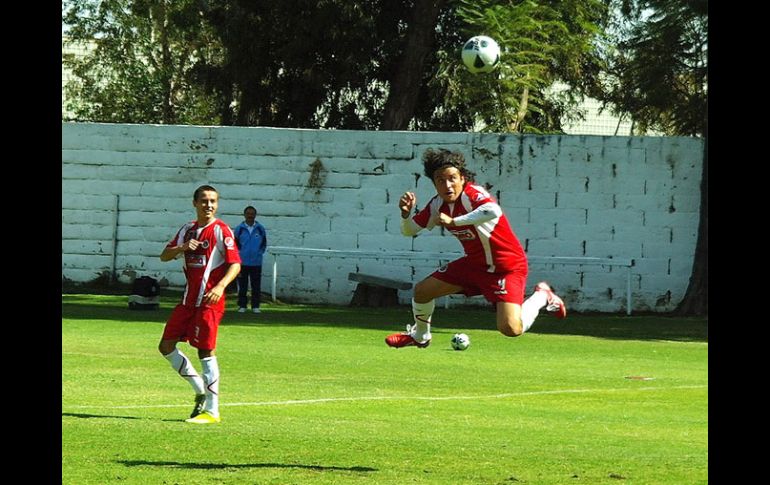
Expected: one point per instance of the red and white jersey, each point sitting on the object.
(485, 234)
(207, 265)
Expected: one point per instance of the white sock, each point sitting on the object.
(182, 365)
(211, 377)
(422, 313)
(531, 307)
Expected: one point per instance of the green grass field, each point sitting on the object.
(313, 395)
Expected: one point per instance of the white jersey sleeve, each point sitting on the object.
(481, 214)
(409, 227)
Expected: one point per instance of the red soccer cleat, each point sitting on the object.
(404, 339)
(554, 304)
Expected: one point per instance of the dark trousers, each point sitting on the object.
(253, 273)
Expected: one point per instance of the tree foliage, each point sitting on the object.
(329, 63)
(659, 70)
(138, 69)
(405, 84)
(303, 63)
(542, 42)
(341, 64)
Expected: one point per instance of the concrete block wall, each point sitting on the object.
(601, 196)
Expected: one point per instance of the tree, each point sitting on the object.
(696, 298)
(304, 63)
(659, 74)
(405, 86)
(658, 71)
(138, 70)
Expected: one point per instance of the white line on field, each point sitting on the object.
(399, 398)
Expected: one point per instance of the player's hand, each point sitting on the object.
(191, 245)
(213, 295)
(444, 220)
(406, 203)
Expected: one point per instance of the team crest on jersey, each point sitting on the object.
(229, 243)
(463, 234)
(205, 244)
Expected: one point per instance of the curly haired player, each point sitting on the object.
(494, 264)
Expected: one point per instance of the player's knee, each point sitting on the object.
(510, 329)
(165, 347)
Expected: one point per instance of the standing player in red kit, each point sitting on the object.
(211, 262)
(494, 264)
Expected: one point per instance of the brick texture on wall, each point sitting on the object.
(565, 195)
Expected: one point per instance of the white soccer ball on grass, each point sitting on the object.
(460, 341)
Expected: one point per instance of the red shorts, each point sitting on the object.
(197, 325)
(507, 287)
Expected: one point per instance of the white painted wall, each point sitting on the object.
(601, 196)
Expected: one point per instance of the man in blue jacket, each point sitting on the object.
(251, 239)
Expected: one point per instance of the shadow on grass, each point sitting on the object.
(641, 327)
(89, 416)
(393, 319)
(221, 466)
(108, 416)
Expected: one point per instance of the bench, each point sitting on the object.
(375, 291)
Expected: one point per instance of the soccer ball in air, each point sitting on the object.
(481, 54)
(460, 341)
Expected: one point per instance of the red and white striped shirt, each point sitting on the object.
(481, 227)
(207, 265)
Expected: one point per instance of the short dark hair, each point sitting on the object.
(201, 189)
(250, 207)
(435, 159)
